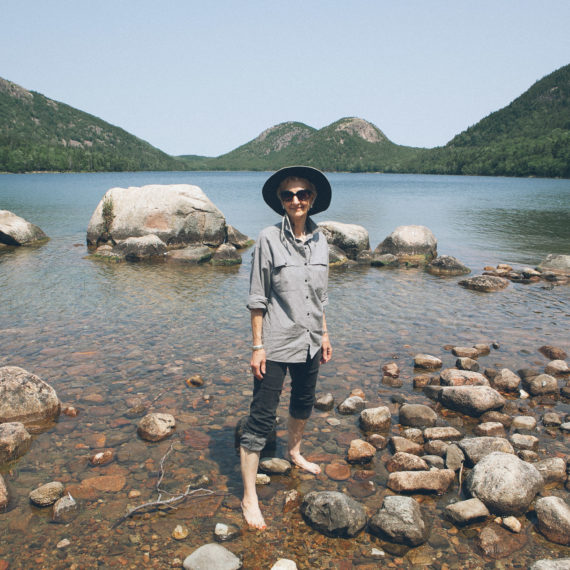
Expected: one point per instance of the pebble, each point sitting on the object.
(262, 479)
(63, 543)
(180, 532)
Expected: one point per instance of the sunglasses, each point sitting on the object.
(302, 195)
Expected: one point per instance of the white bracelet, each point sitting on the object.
(257, 347)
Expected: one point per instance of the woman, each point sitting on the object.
(288, 292)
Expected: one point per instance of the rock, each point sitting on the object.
(351, 405)
(444, 433)
(506, 484)
(63, 543)
(521, 441)
(338, 471)
(494, 416)
(417, 415)
(383, 260)
(102, 458)
(391, 369)
(434, 461)
(156, 427)
(465, 363)
(553, 470)
(554, 519)
(333, 513)
(557, 368)
(337, 257)
(224, 532)
(178, 214)
(262, 479)
(552, 352)
(506, 381)
(453, 377)
(490, 429)
(497, 542)
(292, 500)
(375, 419)
(410, 244)
(275, 465)
(400, 520)
(64, 510)
(139, 248)
(237, 239)
(226, 254)
(436, 480)
(447, 265)
(14, 441)
(325, 402)
(436, 447)
(364, 257)
(402, 444)
(542, 384)
(414, 434)
(523, 423)
(454, 457)
(528, 456)
(547, 564)
(377, 440)
(402, 461)
(284, 564)
(471, 400)
(180, 532)
(25, 397)
(465, 351)
(427, 361)
(195, 380)
(47, 494)
(360, 451)
(350, 238)
(4, 497)
(551, 419)
(191, 254)
(18, 232)
(476, 448)
(484, 283)
(482, 348)
(212, 557)
(556, 263)
(512, 523)
(467, 511)
(421, 380)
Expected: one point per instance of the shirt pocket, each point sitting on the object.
(319, 271)
(286, 276)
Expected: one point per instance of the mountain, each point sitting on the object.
(350, 144)
(37, 133)
(528, 137)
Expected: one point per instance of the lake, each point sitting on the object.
(110, 337)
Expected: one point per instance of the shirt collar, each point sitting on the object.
(286, 228)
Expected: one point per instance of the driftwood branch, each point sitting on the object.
(166, 503)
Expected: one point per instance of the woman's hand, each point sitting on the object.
(326, 349)
(258, 363)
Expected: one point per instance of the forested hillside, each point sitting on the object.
(37, 133)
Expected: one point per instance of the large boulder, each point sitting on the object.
(556, 263)
(178, 214)
(506, 484)
(400, 520)
(17, 231)
(410, 244)
(25, 397)
(350, 238)
(333, 513)
(471, 400)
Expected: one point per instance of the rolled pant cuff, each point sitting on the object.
(252, 442)
(301, 414)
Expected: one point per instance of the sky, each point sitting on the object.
(204, 77)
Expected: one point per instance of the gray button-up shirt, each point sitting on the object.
(289, 281)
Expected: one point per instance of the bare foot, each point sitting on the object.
(252, 515)
(301, 462)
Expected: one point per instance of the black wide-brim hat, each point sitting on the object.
(316, 177)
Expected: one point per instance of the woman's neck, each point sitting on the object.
(298, 226)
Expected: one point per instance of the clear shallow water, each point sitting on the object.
(102, 334)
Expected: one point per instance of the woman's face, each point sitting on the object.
(298, 206)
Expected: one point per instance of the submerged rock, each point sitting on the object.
(417, 415)
(400, 520)
(14, 441)
(333, 513)
(410, 244)
(556, 263)
(552, 352)
(352, 405)
(485, 283)
(447, 265)
(4, 497)
(476, 448)
(64, 510)
(18, 232)
(212, 557)
(467, 511)
(554, 519)
(226, 254)
(375, 419)
(325, 402)
(383, 260)
(156, 427)
(25, 397)
(506, 484)
(191, 254)
(47, 494)
(140, 248)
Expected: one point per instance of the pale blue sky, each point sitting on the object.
(205, 77)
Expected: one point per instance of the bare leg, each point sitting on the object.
(250, 504)
(296, 428)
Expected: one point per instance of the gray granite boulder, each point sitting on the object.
(333, 513)
(375, 419)
(542, 384)
(435, 480)
(556, 263)
(476, 448)
(226, 254)
(506, 484)
(471, 400)
(454, 377)
(352, 405)
(552, 469)
(337, 257)
(350, 238)
(383, 260)
(447, 265)
(410, 244)
(553, 514)
(485, 283)
(506, 381)
(400, 520)
(554, 564)
(139, 248)
(191, 254)
(417, 415)
(212, 557)
(464, 512)
(18, 232)
(26, 398)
